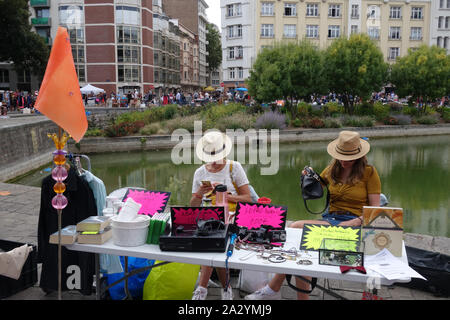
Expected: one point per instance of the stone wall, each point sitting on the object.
(24, 147)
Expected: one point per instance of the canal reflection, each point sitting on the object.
(414, 171)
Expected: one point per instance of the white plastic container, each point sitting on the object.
(130, 233)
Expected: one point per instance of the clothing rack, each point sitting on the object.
(74, 156)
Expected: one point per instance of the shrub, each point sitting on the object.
(390, 121)
(150, 129)
(364, 109)
(316, 123)
(124, 129)
(380, 111)
(271, 120)
(402, 119)
(93, 132)
(355, 121)
(446, 115)
(239, 120)
(332, 108)
(428, 119)
(182, 123)
(411, 111)
(303, 109)
(331, 123)
(395, 107)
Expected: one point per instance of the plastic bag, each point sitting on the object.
(173, 281)
(251, 281)
(135, 283)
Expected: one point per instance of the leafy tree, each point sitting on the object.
(422, 73)
(288, 71)
(354, 66)
(26, 49)
(214, 47)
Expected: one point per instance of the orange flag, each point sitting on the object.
(59, 96)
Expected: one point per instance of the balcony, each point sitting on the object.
(41, 21)
(40, 3)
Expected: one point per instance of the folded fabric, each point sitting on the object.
(345, 269)
(11, 262)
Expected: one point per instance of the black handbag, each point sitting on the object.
(312, 188)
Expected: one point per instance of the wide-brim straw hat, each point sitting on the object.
(348, 146)
(213, 146)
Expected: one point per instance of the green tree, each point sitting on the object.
(288, 71)
(354, 66)
(20, 45)
(424, 73)
(214, 47)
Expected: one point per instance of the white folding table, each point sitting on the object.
(239, 260)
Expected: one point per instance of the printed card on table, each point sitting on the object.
(313, 234)
(190, 215)
(255, 215)
(152, 201)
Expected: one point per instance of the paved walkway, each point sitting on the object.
(19, 213)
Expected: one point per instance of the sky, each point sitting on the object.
(213, 12)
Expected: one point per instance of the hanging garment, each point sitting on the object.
(98, 188)
(79, 266)
(108, 263)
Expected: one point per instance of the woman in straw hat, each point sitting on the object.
(352, 184)
(213, 148)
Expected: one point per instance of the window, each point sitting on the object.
(440, 22)
(447, 22)
(234, 31)
(312, 31)
(130, 73)
(4, 75)
(373, 12)
(23, 76)
(290, 31)
(231, 73)
(128, 54)
(312, 10)
(441, 4)
(127, 34)
(439, 41)
(334, 10)
(81, 72)
(76, 35)
(234, 10)
(128, 15)
(78, 53)
(373, 32)
(240, 52)
(416, 13)
(416, 33)
(394, 33)
(240, 73)
(393, 53)
(231, 53)
(267, 30)
(445, 46)
(355, 11)
(334, 31)
(395, 12)
(70, 14)
(354, 29)
(290, 9)
(42, 13)
(267, 9)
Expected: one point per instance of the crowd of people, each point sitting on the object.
(16, 100)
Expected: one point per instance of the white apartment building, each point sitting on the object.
(440, 24)
(238, 40)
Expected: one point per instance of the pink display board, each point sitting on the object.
(254, 215)
(152, 201)
(189, 215)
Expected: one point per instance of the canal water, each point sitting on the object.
(414, 172)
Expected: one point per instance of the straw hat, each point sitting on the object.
(213, 146)
(348, 146)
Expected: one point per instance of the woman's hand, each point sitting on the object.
(204, 189)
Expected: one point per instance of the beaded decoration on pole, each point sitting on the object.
(59, 172)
